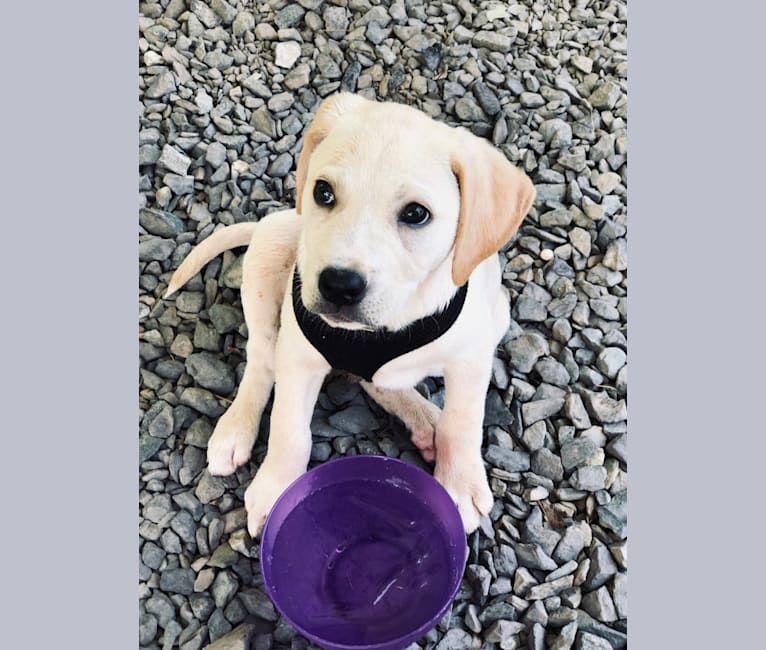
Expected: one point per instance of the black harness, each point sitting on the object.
(361, 352)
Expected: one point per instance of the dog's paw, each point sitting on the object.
(468, 487)
(421, 421)
(263, 492)
(231, 443)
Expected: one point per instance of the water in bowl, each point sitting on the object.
(369, 566)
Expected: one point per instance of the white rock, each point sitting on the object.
(287, 54)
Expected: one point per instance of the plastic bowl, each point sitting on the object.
(363, 552)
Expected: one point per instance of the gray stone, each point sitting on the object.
(262, 121)
(549, 589)
(163, 84)
(577, 452)
(525, 350)
(289, 16)
(298, 77)
(574, 540)
(603, 408)
(354, 419)
(225, 318)
(599, 605)
(620, 594)
(468, 110)
(161, 607)
(179, 185)
(532, 304)
(557, 133)
(177, 581)
(501, 632)
(455, 639)
(616, 256)
(209, 371)
(215, 154)
(173, 160)
(606, 95)
(602, 568)
(492, 41)
(574, 409)
(588, 478)
(537, 533)
(224, 587)
(533, 557)
(281, 102)
(335, 21)
(552, 372)
(610, 361)
(239, 638)
(157, 508)
(537, 637)
(244, 22)
(155, 248)
(558, 217)
(614, 515)
(496, 412)
(545, 463)
(504, 559)
(281, 166)
(540, 409)
(534, 436)
(531, 100)
(619, 448)
(587, 641)
(566, 637)
(486, 98)
(510, 461)
(209, 488)
(479, 578)
(161, 223)
(147, 628)
(258, 604)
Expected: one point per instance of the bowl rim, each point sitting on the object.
(422, 629)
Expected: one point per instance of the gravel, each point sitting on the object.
(226, 90)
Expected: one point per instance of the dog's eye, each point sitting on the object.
(415, 215)
(323, 194)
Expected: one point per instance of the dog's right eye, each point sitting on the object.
(323, 194)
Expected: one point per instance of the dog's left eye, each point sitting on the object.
(415, 214)
(323, 194)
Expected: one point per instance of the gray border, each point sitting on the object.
(69, 321)
(696, 431)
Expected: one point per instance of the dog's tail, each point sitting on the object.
(221, 240)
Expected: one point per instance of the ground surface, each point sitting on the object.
(226, 91)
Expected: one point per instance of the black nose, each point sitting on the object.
(341, 286)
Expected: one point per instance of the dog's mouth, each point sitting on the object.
(337, 319)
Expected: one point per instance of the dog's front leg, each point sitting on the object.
(299, 370)
(459, 465)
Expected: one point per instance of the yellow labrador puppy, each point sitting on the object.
(387, 268)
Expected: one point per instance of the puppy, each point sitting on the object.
(387, 268)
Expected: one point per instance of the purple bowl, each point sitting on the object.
(363, 552)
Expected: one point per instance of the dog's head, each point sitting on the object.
(398, 210)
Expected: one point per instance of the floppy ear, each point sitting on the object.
(494, 199)
(330, 110)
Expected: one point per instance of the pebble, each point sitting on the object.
(545, 463)
(540, 409)
(492, 41)
(287, 54)
(599, 605)
(510, 461)
(525, 350)
(210, 372)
